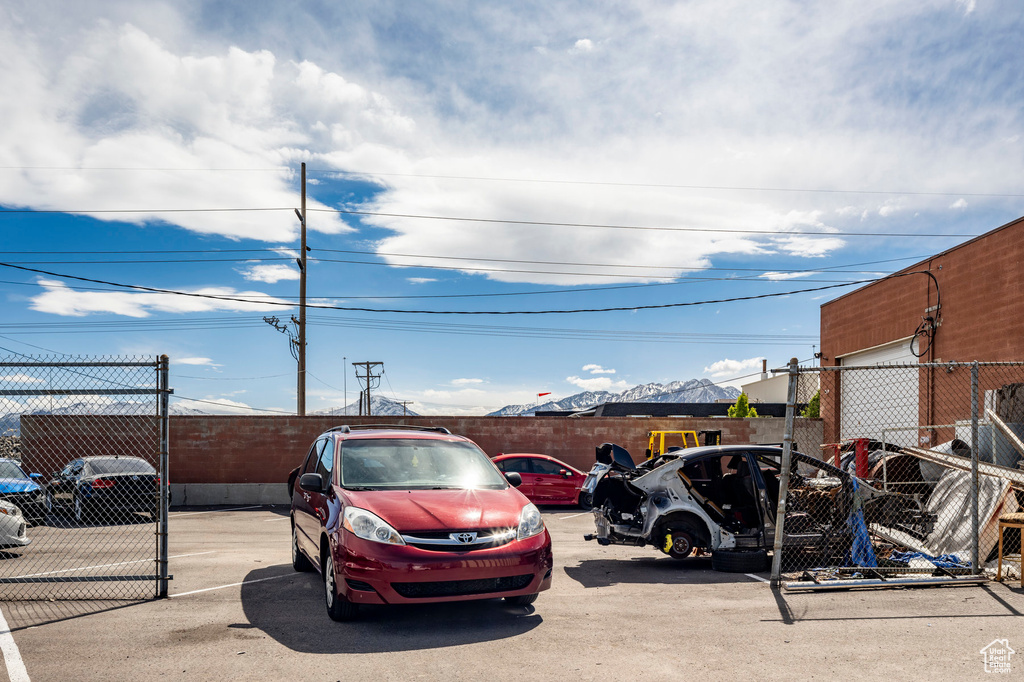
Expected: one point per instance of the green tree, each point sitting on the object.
(813, 409)
(742, 408)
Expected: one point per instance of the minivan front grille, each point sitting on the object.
(456, 588)
(448, 540)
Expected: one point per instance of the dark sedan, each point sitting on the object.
(100, 487)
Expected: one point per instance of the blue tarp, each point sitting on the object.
(861, 551)
(942, 561)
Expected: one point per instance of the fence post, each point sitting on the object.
(163, 372)
(787, 458)
(975, 530)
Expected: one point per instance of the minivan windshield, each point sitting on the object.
(416, 464)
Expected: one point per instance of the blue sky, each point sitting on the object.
(485, 157)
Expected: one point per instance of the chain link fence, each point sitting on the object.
(903, 479)
(83, 478)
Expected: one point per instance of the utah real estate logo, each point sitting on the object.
(997, 656)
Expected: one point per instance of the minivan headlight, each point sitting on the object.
(530, 522)
(369, 526)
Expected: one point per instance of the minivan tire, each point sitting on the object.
(338, 607)
(299, 561)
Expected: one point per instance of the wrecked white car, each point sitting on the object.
(723, 500)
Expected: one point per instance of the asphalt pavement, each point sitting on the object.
(238, 611)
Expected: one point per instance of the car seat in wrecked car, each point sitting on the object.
(738, 490)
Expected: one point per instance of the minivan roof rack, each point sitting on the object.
(346, 428)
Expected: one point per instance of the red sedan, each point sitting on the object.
(546, 480)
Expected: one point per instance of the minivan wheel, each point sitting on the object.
(338, 608)
(299, 561)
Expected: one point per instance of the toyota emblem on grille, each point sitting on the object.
(463, 538)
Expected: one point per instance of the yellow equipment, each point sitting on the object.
(656, 441)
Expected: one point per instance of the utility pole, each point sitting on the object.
(369, 381)
(344, 361)
(405, 404)
(301, 388)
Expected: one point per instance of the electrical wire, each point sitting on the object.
(729, 188)
(545, 223)
(486, 221)
(443, 312)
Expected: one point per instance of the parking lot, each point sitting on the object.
(238, 611)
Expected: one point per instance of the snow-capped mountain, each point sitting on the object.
(10, 424)
(379, 407)
(692, 391)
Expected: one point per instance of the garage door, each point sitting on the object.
(875, 399)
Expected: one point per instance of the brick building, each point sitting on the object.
(962, 305)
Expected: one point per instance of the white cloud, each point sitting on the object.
(582, 45)
(959, 204)
(21, 379)
(597, 384)
(967, 5)
(597, 369)
(466, 382)
(780, 276)
(727, 367)
(420, 280)
(136, 88)
(196, 361)
(269, 273)
(58, 299)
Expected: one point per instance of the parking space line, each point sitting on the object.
(119, 563)
(16, 671)
(281, 518)
(214, 511)
(757, 577)
(221, 587)
(572, 516)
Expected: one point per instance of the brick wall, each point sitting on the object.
(982, 316)
(224, 450)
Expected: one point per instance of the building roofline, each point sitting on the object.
(917, 265)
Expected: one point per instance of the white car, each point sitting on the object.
(12, 526)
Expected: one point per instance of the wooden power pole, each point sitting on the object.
(301, 388)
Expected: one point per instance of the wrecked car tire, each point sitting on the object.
(679, 543)
(586, 501)
(739, 560)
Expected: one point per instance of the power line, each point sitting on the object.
(232, 407)
(444, 312)
(498, 221)
(546, 223)
(730, 188)
(547, 181)
(413, 326)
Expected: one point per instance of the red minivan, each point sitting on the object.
(398, 515)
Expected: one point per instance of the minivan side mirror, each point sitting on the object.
(312, 482)
(514, 478)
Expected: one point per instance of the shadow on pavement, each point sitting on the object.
(650, 571)
(27, 614)
(292, 611)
